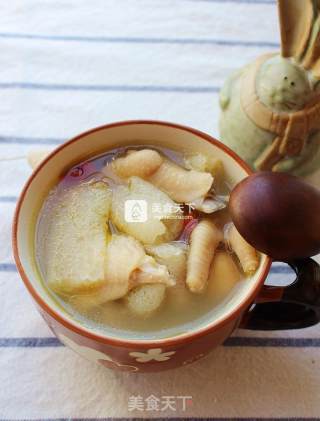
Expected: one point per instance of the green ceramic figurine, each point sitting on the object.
(270, 109)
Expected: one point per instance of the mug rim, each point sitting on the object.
(77, 328)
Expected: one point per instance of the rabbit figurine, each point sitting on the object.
(270, 109)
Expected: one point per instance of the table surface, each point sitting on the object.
(67, 66)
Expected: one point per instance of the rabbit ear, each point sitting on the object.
(311, 59)
(296, 22)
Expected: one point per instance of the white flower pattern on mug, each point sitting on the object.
(94, 355)
(155, 354)
(86, 352)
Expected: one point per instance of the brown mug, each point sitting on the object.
(295, 306)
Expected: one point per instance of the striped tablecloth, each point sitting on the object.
(67, 66)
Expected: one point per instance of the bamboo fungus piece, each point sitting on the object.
(141, 163)
(246, 254)
(157, 225)
(146, 299)
(204, 240)
(147, 232)
(75, 237)
(205, 163)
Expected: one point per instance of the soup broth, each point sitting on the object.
(139, 239)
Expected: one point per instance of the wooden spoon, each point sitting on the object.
(278, 214)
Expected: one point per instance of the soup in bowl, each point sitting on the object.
(123, 237)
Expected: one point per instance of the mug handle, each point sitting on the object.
(291, 307)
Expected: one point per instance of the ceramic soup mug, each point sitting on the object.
(275, 307)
